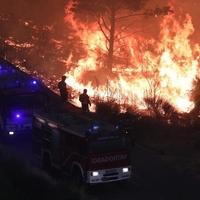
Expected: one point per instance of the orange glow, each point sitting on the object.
(11, 42)
(168, 65)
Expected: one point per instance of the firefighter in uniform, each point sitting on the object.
(63, 90)
(85, 101)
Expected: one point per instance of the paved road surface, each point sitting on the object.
(153, 179)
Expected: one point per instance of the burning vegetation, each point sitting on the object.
(122, 65)
(108, 48)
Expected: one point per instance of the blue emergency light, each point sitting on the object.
(11, 132)
(34, 82)
(94, 128)
(18, 116)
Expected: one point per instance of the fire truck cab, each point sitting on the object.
(96, 152)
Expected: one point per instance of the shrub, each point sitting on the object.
(160, 108)
(107, 108)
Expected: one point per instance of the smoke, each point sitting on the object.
(52, 11)
(42, 12)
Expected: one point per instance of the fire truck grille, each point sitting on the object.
(110, 174)
(109, 178)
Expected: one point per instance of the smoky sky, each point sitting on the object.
(52, 8)
(40, 11)
(52, 11)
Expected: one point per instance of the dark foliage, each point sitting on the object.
(196, 98)
(104, 6)
(107, 109)
(160, 108)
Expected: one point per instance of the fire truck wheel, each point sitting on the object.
(46, 162)
(77, 179)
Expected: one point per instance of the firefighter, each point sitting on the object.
(85, 101)
(63, 90)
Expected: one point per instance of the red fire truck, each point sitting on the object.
(94, 152)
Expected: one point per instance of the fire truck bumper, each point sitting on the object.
(109, 175)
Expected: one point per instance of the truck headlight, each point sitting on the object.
(95, 173)
(11, 132)
(125, 170)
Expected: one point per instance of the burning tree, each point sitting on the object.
(114, 17)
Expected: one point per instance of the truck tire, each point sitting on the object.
(46, 162)
(77, 179)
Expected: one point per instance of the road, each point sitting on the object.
(153, 179)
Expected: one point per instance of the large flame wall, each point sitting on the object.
(167, 66)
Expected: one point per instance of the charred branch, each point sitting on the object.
(156, 12)
(102, 30)
(104, 23)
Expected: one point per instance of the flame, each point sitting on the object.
(168, 65)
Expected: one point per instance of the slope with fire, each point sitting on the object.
(143, 69)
